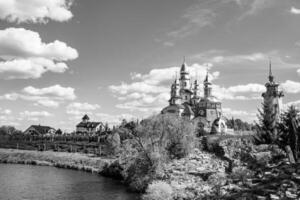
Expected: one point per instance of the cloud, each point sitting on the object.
(114, 119)
(50, 96)
(5, 111)
(77, 108)
(34, 115)
(251, 87)
(35, 11)
(295, 11)
(298, 71)
(25, 56)
(241, 114)
(57, 91)
(255, 59)
(193, 20)
(291, 87)
(150, 92)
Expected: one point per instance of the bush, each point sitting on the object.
(158, 190)
(152, 142)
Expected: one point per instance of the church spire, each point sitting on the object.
(271, 77)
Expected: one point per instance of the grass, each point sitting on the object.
(78, 161)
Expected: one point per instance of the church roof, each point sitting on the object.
(88, 124)
(41, 129)
(85, 117)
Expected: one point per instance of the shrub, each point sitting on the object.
(158, 190)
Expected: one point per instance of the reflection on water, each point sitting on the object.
(25, 182)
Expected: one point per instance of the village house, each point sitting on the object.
(38, 130)
(85, 127)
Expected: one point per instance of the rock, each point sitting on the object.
(274, 197)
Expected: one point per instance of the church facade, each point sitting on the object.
(186, 101)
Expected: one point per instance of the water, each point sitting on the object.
(25, 182)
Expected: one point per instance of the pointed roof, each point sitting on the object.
(85, 117)
(183, 66)
(271, 77)
(206, 81)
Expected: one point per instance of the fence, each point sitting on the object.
(62, 143)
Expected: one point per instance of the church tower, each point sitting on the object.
(196, 96)
(175, 95)
(207, 87)
(272, 99)
(184, 76)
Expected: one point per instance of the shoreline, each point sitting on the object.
(75, 161)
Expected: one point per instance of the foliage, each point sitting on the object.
(158, 190)
(9, 130)
(59, 132)
(266, 129)
(113, 143)
(152, 142)
(290, 130)
(238, 125)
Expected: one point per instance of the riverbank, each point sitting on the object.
(77, 161)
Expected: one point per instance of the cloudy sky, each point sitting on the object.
(116, 59)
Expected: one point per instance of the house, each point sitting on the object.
(86, 127)
(38, 130)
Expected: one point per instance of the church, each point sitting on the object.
(185, 101)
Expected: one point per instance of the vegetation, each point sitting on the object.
(266, 129)
(289, 129)
(159, 190)
(154, 141)
(239, 125)
(283, 132)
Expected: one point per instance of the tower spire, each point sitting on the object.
(271, 77)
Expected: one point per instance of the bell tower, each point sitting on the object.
(184, 76)
(272, 98)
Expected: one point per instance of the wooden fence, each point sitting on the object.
(62, 143)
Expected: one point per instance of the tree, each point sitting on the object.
(266, 129)
(9, 130)
(152, 142)
(58, 132)
(290, 130)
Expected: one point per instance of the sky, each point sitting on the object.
(115, 59)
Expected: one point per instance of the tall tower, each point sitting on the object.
(175, 95)
(196, 96)
(184, 76)
(207, 86)
(272, 99)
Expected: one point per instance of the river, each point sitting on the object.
(26, 182)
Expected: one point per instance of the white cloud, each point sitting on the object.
(5, 111)
(77, 108)
(34, 115)
(47, 103)
(241, 114)
(251, 87)
(50, 96)
(26, 56)
(193, 19)
(114, 119)
(295, 10)
(35, 10)
(57, 91)
(291, 86)
(150, 92)
(298, 71)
